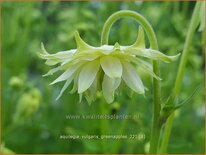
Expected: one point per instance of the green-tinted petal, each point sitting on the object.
(145, 66)
(59, 55)
(52, 71)
(111, 66)
(51, 62)
(91, 93)
(43, 49)
(151, 54)
(140, 42)
(131, 78)
(80, 43)
(67, 74)
(75, 84)
(87, 75)
(105, 49)
(80, 98)
(109, 85)
(78, 58)
(68, 82)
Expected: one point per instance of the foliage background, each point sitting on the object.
(26, 24)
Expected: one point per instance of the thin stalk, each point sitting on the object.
(185, 7)
(103, 124)
(156, 84)
(193, 25)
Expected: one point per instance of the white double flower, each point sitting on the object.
(92, 69)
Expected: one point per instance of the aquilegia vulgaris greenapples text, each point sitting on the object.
(92, 69)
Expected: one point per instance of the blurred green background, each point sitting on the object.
(32, 120)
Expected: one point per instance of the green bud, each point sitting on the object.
(27, 105)
(115, 107)
(16, 82)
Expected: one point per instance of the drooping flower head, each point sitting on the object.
(92, 69)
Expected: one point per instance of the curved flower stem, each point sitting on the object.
(156, 126)
(193, 25)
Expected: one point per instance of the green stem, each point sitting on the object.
(156, 84)
(103, 123)
(193, 25)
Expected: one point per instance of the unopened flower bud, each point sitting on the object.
(27, 105)
(16, 82)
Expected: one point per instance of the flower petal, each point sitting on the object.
(68, 82)
(52, 71)
(79, 57)
(109, 85)
(151, 54)
(59, 55)
(75, 84)
(87, 75)
(91, 93)
(111, 66)
(43, 49)
(67, 74)
(80, 43)
(140, 42)
(131, 78)
(144, 66)
(52, 62)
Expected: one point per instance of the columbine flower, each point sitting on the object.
(103, 68)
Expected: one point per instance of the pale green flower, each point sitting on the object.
(103, 68)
